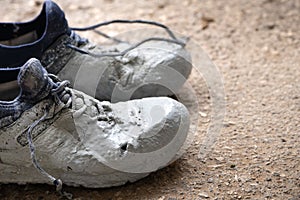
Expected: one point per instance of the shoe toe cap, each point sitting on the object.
(156, 130)
(137, 136)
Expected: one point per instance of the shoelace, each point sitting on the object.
(63, 100)
(80, 40)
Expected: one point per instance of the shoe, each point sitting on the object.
(153, 67)
(50, 130)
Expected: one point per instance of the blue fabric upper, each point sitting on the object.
(49, 25)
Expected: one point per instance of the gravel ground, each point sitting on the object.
(256, 46)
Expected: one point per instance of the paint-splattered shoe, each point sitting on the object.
(153, 67)
(51, 133)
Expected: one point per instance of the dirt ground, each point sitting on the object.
(256, 46)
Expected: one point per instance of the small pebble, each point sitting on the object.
(203, 195)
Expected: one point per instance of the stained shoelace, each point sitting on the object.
(63, 100)
(173, 38)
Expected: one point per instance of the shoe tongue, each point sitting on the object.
(33, 79)
(56, 21)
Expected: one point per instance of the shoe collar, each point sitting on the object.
(48, 25)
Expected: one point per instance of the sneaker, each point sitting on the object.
(153, 67)
(50, 130)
